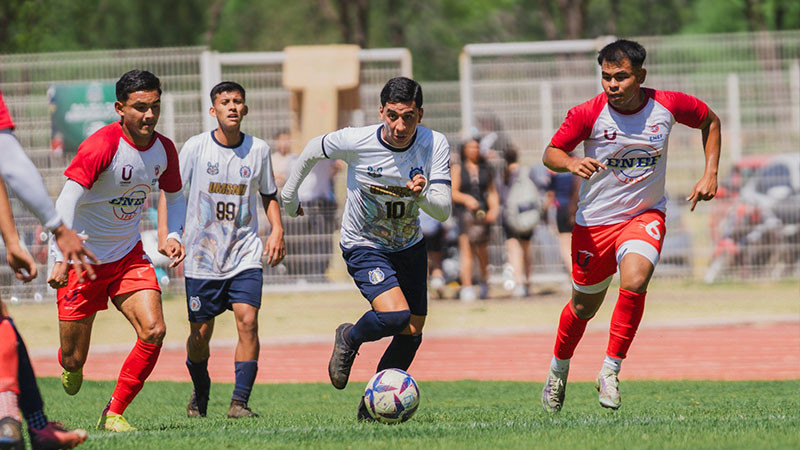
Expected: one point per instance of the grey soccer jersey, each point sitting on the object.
(221, 235)
(380, 211)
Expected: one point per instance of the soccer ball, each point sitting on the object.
(392, 396)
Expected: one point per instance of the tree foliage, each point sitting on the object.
(434, 30)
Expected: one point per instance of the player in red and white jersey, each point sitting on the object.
(620, 218)
(108, 182)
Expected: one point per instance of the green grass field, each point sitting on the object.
(464, 414)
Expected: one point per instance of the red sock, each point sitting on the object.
(624, 322)
(9, 362)
(570, 332)
(135, 370)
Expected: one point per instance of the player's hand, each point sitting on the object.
(275, 248)
(705, 190)
(175, 251)
(417, 184)
(72, 248)
(58, 276)
(585, 167)
(21, 262)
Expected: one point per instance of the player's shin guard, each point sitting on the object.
(135, 370)
(400, 352)
(245, 372)
(570, 332)
(374, 325)
(624, 322)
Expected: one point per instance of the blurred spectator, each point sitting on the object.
(282, 157)
(561, 202)
(477, 205)
(435, 243)
(522, 212)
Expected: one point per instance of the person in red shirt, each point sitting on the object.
(620, 217)
(111, 176)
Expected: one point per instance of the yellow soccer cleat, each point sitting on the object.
(115, 423)
(71, 381)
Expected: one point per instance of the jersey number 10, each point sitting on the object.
(395, 210)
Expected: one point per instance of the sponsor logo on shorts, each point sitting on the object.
(582, 260)
(376, 275)
(194, 303)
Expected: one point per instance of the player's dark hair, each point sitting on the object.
(226, 86)
(134, 81)
(621, 49)
(401, 90)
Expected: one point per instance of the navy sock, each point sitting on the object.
(400, 353)
(30, 399)
(200, 378)
(245, 377)
(375, 325)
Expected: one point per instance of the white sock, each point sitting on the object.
(559, 365)
(614, 364)
(8, 405)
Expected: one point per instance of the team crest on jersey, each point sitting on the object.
(610, 134)
(415, 171)
(128, 205)
(376, 275)
(375, 173)
(654, 128)
(127, 173)
(194, 303)
(583, 257)
(245, 172)
(633, 163)
(212, 169)
(157, 169)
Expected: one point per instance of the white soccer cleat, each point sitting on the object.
(607, 384)
(554, 389)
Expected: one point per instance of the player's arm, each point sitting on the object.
(275, 247)
(558, 160)
(311, 155)
(67, 202)
(706, 187)
(18, 258)
(171, 220)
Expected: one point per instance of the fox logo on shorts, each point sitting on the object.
(585, 260)
(194, 303)
(376, 275)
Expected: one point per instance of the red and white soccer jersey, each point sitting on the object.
(119, 176)
(633, 145)
(5, 116)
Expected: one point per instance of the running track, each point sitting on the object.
(755, 351)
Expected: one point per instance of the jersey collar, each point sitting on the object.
(241, 140)
(396, 149)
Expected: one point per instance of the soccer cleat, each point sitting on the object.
(54, 436)
(363, 413)
(71, 381)
(554, 390)
(198, 405)
(239, 409)
(607, 384)
(114, 422)
(342, 358)
(11, 434)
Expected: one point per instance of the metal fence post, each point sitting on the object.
(734, 117)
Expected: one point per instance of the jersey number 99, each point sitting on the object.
(226, 211)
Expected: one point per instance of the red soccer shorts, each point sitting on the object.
(132, 273)
(597, 250)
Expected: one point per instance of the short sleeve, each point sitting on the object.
(94, 155)
(686, 109)
(170, 180)
(186, 159)
(440, 165)
(267, 183)
(578, 124)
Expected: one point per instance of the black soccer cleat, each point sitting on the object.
(198, 405)
(11, 434)
(363, 413)
(342, 358)
(239, 409)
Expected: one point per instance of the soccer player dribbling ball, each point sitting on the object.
(226, 172)
(107, 184)
(394, 169)
(620, 217)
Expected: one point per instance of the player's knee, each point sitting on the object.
(394, 322)
(636, 282)
(247, 325)
(154, 333)
(72, 361)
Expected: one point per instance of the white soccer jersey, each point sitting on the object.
(380, 211)
(633, 145)
(118, 177)
(224, 183)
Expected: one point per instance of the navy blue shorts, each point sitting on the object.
(375, 272)
(207, 299)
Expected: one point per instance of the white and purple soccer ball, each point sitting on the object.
(392, 396)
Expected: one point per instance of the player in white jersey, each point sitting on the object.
(395, 169)
(226, 171)
(108, 183)
(620, 217)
